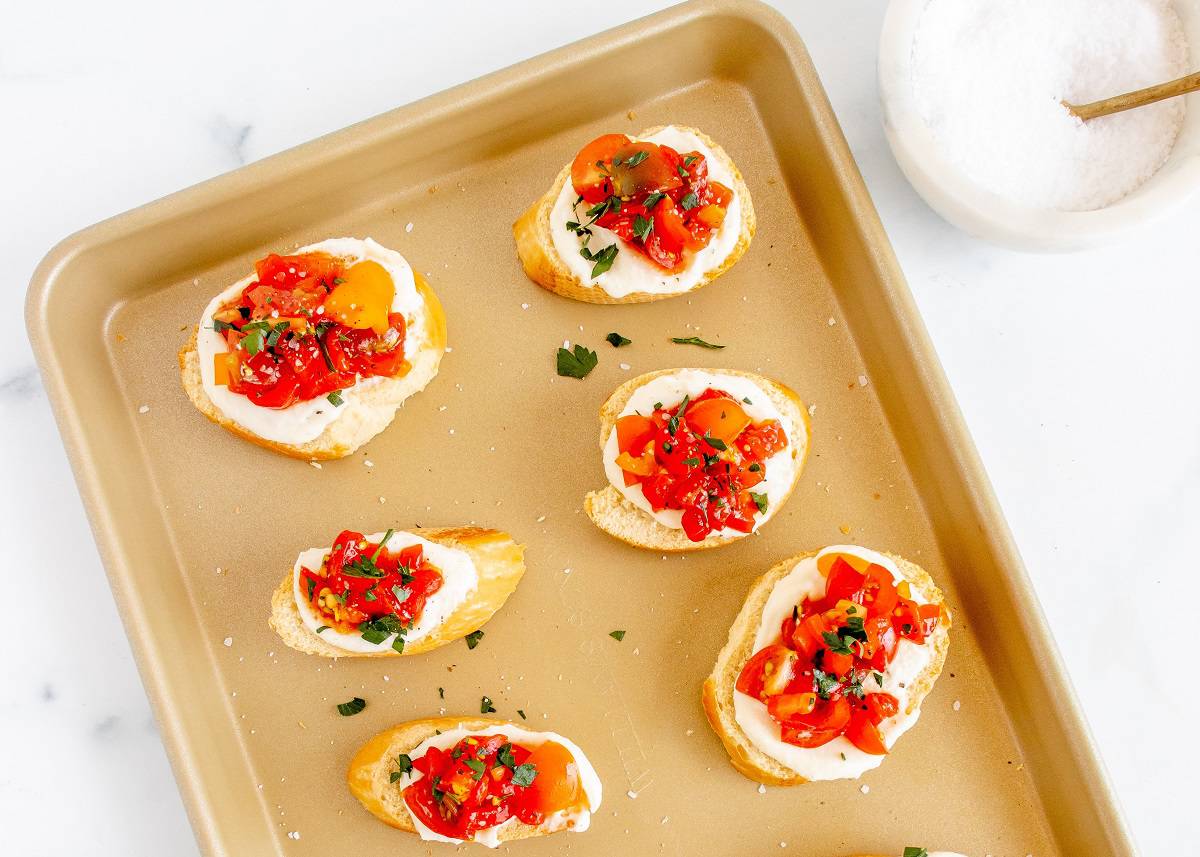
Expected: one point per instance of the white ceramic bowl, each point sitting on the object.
(984, 214)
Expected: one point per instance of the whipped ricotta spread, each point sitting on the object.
(670, 389)
(631, 271)
(460, 578)
(839, 758)
(577, 820)
(304, 421)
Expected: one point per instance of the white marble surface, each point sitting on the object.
(1077, 374)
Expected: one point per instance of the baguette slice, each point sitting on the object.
(363, 416)
(499, 560)
(613, 513)
(369, 776)
(718, 690)
(544, 265)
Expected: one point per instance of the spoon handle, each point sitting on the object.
(1140, 98)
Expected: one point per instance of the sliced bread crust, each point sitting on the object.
(369, 775)
(613, 513)
(541, 261)
(498, 559)
(718, 690)
(362, 417)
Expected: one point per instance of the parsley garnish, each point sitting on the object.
(715, 442)
(694, 340)
(617, 635)
(688, 160)
(349, 709)
(913, 851)
(603, 259)
(404, 763)
(522, 713)
(524, 775)
(505, 756)
(616, 340)
(577, 364)
(320, 330)
(826, 684)
(878, 678)
(636, 158)
(401, 593)
(253, 342)
(755, 467)
(473, 639)
(760, 500)
(642, 228)
(690, 201)
(477, 766)
(485, 706)
(380, 628)
(312, 585)
(836, 644)
(673, 422)
(653, 200)
(441, 693)
(335, 399)
(323, 628)
(219, 325)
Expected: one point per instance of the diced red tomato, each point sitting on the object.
(863, 734)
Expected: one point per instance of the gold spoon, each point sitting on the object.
(1141, 98)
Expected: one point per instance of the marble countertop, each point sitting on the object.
(1077, 374)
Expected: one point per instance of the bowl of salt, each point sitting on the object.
(974, 96)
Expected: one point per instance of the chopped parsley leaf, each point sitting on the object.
(616, 340)
(473, 639)
(576, 364)
(760, 500)
(486, 707)
(524, 775)
(617, 635)
(695, 340)
(335, 399)
(349, 709)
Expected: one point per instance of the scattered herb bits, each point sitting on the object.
(695, 340)
(913, 851)
(335, 399)
(521, 712)
(617, 635)
(760, 500)
(486, 707)
(404, 766)
(441, 693)
(354, 706)
(616, 340)
(524, 775)
(473, 639)
(602, 260)
(577, 363)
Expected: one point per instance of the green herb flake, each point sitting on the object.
(322, 628)
(688, 160)
(473, 639)
(690, 201)
(354, 706)
(522, 713)
(441, 693)
(253, 342)
(576, 364)
(486, 707)
(616, 340)
(760, 500)
(617, 635)
(524, 775)
(477, 766)
(642, 228)
(695, 340)
(653, 200)
(636, 158)
(878, 678)
(335, 399)
(914, 851)
(505, 757)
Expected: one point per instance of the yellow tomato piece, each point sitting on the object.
(825, 562)
(721, 418)
(557, 785)
(364, 297)
(224, 365)
(642, 466)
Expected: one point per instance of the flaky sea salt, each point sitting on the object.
(990, 77)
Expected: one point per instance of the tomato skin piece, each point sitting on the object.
(586, 177)
(721, 418)
(881, 706)
(556, 787)
(771, 660)
(862, 733)
(789, 708)
(633, 433)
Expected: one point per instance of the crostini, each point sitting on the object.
(475, 779)
(395, 593)
(697, 458)
(917, 851)
(312, 354)
(827, 665)
(635, 219)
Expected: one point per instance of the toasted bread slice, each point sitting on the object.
(612, 512)
(544, 265)
(718, 690)
(362, 417)
(498, 559)
(369, 775)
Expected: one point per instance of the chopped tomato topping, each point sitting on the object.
(659, 202)
(308, 326)
(484, 781)
(701, 456)
(363, 587)
(824, 676)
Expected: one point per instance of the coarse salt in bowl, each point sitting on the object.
(955, 195)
